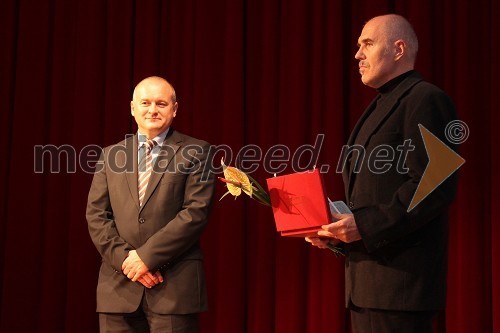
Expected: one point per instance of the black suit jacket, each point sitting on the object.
(165, 230)
(401, 261)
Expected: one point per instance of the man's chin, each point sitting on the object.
(155, 125)
(365, 81)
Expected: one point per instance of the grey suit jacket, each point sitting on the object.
(401, 261)
(165, 230)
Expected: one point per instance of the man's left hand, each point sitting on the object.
(345, 229)
(133, 267)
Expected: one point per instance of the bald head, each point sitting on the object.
(154, 80)
(396, 27)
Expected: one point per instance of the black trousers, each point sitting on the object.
(385, 321)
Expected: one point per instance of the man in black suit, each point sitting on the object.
(396, 258)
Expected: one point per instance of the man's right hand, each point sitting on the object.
(321, 243)
(150, 280)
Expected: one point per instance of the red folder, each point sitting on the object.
(299, 203)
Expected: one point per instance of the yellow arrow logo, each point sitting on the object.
(443, 162)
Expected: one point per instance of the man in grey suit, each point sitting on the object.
(148, 204)
(396, 257)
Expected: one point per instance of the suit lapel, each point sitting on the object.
(361, 120)
(166, 155)
(131, 147)
(346, 172)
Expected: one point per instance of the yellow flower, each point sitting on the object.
(236, 180)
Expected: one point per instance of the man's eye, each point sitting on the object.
(144, 103)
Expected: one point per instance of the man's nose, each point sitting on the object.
(359, 55)
(152, 108)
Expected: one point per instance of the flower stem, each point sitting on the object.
(337, 250)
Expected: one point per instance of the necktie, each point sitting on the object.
(145, 166)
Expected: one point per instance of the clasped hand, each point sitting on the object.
(136, 270)
(344, 229)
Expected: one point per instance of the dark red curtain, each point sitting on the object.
(260, 72)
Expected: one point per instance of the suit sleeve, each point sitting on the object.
(112, 248)
(184, 230)
(386, 223)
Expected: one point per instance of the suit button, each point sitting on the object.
(141, 220)
(351, 204)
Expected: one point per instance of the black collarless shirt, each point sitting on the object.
(384, 93)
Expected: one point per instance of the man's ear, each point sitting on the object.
(132, 108)
(176, 106)
(400, 49)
